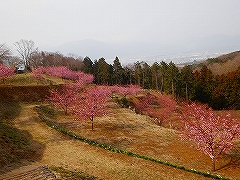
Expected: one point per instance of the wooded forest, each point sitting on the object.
(220, 91)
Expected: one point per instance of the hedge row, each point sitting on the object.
(129, 153)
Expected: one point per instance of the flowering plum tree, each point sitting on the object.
(5, 72)
(84, 78)
(60, 71)
(91, 103)
(64, 97)
(38, 72)
(159, 106)
(167, 107)
(63, 72)
(213, 133)
(126, 90)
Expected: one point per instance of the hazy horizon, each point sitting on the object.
(139, 28)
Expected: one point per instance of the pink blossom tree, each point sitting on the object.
(91, 103)
(65, 73)
(159, 106)
(5, 72)
(213, 133)
(124, 91)
(60, 71)
(84, 78)
(127, 90)
(38, 72)
(167, 107)
(64, 97)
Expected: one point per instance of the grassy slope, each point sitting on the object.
(122, 128)
(137, 133)
(25, 88)
(26, 79)
(17, 145)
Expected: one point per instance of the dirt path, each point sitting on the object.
(62, 151)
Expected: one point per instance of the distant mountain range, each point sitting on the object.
(190, 49)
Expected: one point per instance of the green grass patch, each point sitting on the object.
(53, 125)
(50, 112)
(67, 174)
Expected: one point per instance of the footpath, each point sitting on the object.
(68, 153)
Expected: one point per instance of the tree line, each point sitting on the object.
(220, 92)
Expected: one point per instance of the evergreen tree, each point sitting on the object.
(204, 85)
(129, 75)
(146, 76)
(87, 65)
(186, 82)
(118, 72)
(138, 73)
(172, 78)
(163, 71)
(102, 72)
(155, 75)
(95, 71)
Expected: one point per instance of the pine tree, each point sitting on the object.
(118, 72)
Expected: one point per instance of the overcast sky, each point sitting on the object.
(54, 22)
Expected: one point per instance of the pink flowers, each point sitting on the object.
(5, 72)
(66, 96)
(214, 133)
(126, 90)
(92, 102)
(160, 106)
(86, 102)
(38, 72)
(63, 72)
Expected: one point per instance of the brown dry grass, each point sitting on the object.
(127, 130)
(65, 152)
(26, 79)
(123, 129)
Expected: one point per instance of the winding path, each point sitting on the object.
(63, 151)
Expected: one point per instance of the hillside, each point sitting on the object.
(29, 139)
(222, 64)
(25, 88)
(26, 79)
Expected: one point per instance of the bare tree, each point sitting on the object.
(13, 61)
(37, 59)
(5, 53)
(26, 49)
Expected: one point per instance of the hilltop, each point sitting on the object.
(221, 65)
